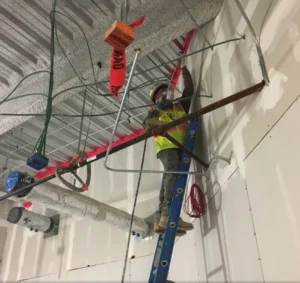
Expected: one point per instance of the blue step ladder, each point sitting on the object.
(164, 248)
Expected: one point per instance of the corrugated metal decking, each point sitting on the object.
(24, 45)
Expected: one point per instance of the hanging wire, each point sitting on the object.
(81, 123)
(157, 66)
(152, 68)
(92, 88)
(89, 124)
(90, 120)
(96, 115)
(90, 55)
(66, 145)
(99, 7)
(18, 85)
(88, 47)
(62, 128)
(166, 76)
(41, 144)
(5, 166)
(24, 96)
(96, 83)
(133, 212)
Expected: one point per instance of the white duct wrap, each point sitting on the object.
(66, 201)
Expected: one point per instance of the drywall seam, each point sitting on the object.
(286, 199)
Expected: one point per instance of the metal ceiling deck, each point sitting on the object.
(24, 48)
(63, 133)
(25, 31)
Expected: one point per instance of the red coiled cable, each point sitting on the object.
(195, 204)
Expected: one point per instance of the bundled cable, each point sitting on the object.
(41, 143)
(195, 203)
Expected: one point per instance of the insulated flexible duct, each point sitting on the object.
(65, 201)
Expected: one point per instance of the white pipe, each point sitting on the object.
(67, 201)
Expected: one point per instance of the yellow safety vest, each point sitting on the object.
(179, 133)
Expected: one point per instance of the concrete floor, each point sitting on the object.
(251, 230)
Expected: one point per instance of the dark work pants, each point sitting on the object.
(170, 158)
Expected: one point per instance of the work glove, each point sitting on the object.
(152, 123)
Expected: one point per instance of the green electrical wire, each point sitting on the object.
(108, 94)
(20, 82)
(77, 87)
(22, 96)
(41, 144)
(106, 81)
(89, 51)
(142, 85)
(145, 84)
(190, 54)
(81, 122)
(70, 63)
(96, 115)
(152, 68)
(87, 43)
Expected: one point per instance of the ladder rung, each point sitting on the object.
(165, 243)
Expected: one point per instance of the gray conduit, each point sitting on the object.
(70, 202)
(257, 44)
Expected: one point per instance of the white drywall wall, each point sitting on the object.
(251, 230)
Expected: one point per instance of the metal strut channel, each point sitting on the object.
(165, 244)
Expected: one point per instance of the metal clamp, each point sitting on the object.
(218, 157)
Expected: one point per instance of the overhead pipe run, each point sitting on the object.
(70, 202)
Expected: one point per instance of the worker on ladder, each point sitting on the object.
(165, 111)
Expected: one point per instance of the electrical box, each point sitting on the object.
(16, 180)
(37, 161)
(119, 35)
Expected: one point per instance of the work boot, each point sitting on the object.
(185, 225)
(160, 227)
(163, 224)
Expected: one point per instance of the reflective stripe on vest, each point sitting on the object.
(179, 132)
